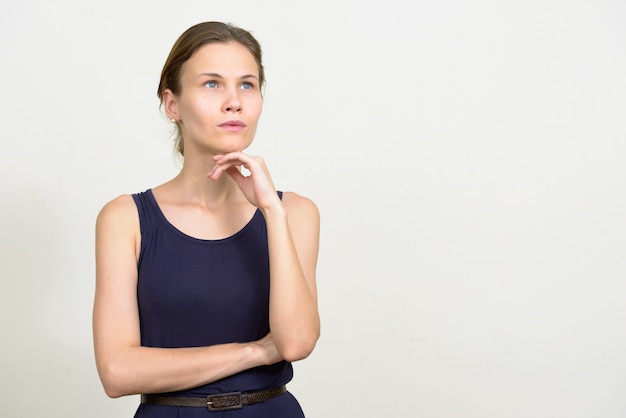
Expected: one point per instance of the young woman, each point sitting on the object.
(205, 285)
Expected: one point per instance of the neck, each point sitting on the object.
(193, 184)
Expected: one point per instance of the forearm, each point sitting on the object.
(294, 318)
(133, 370)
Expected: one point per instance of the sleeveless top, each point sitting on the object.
(193, 292)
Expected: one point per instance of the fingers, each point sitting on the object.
(220, 168)
(250, 162)
(229, 162)
(257, 187)
(271, 353)
(236, 175)
(217, 171)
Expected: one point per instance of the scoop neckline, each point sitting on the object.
(180, 233)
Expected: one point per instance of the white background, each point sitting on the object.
(467, 158)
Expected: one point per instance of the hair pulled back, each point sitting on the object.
(189, 42)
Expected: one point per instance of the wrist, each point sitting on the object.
(250, 354)
(255, 354)
(274, 212)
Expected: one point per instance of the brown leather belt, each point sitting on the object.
(217, 402)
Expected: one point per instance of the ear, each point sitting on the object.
(170, 104)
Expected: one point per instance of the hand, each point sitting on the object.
(269, 352)
(258, 187)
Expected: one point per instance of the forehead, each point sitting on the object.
(225, 59)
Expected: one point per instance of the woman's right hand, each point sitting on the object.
(268, 351)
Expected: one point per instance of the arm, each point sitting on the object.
(124, 366)
(293, 239)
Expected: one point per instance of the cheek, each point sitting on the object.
(198, 109)
(256, 107)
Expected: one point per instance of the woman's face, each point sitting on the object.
(220, 101)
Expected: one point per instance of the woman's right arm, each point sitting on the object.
(124, 366)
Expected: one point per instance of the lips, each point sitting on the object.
(232, 124)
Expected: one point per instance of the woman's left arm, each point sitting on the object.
(293, 238)
(293, 229)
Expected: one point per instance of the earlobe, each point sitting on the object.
(170, 104)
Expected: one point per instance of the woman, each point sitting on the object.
(205, 285)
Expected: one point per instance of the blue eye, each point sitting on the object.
(247, 86)
(212, 84)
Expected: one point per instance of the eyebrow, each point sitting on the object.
(216, 75)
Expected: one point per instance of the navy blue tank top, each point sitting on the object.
(193, 292)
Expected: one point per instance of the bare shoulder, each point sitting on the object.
(120, 211)
(299, 206)
(304, 223)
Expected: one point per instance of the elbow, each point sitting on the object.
(113, 381)
(300, 348)
(296, 354)
(114, 391)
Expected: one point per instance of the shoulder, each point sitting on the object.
(303, 218)
(120, 211)
(300, 207)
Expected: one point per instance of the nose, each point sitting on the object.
(232, 102)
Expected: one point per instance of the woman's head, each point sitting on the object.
(191, 41)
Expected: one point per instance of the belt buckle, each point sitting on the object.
(221, 401)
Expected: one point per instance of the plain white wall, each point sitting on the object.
(467, 159)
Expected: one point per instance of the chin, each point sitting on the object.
(237, 146)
